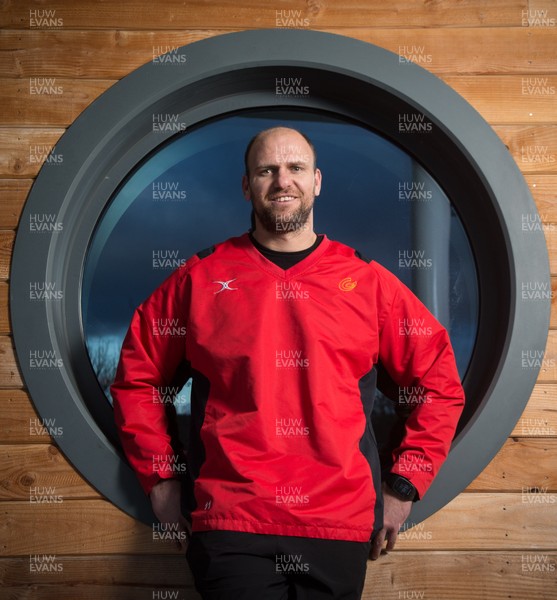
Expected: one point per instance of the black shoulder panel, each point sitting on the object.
(361, 256)
(205, 253)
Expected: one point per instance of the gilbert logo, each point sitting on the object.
(347, 284)
(225, 285)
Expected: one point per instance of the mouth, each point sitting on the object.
(282, 199)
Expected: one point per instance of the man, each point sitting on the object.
(284, 332)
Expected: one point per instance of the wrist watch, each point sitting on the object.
(401, 487)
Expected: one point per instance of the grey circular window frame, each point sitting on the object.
(236, 72)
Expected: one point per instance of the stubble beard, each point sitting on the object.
(279, 223)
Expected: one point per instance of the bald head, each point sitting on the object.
(260, 137)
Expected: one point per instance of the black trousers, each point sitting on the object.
(230, 565)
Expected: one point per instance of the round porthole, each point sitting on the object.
(424, 185)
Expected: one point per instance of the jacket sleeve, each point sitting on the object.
(153, 367)
(416, 352)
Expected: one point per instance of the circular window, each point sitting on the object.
(150, 174)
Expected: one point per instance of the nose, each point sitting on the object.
(282, 177)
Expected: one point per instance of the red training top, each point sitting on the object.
(283, 369)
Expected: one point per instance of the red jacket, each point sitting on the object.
(283, 367)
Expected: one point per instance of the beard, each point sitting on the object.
(279, 223)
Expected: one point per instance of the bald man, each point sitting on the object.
(283, 495)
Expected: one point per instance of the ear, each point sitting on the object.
(317, 182)
(245, 187)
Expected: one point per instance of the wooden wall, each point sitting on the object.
(496, 540)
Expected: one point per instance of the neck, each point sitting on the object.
(285, 242)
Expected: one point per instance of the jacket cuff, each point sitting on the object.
(419, 473)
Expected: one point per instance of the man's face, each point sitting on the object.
(282, 182)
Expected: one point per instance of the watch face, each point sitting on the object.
(403, 487)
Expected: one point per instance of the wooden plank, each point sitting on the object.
(91, 577)
(509, 99)
(540, 415)
(523, 465)
(312, 14)
(7, 238)
(553, 316)
(24, 150)
(550, 232)
(13, 193)
(75, 527)
(461, 576)
(113, 54)
(533, 147)
(47, 101)
(441, 575)
(55, 102)
(475, 521)
(39, 473)
(82, 54)
(4, 315)
(537, 8)
(86, 592)
(469, 51)
(544, 191)
(120, 571)
(487, 521)
(20, 421)
(545, 361)
(9, 370)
